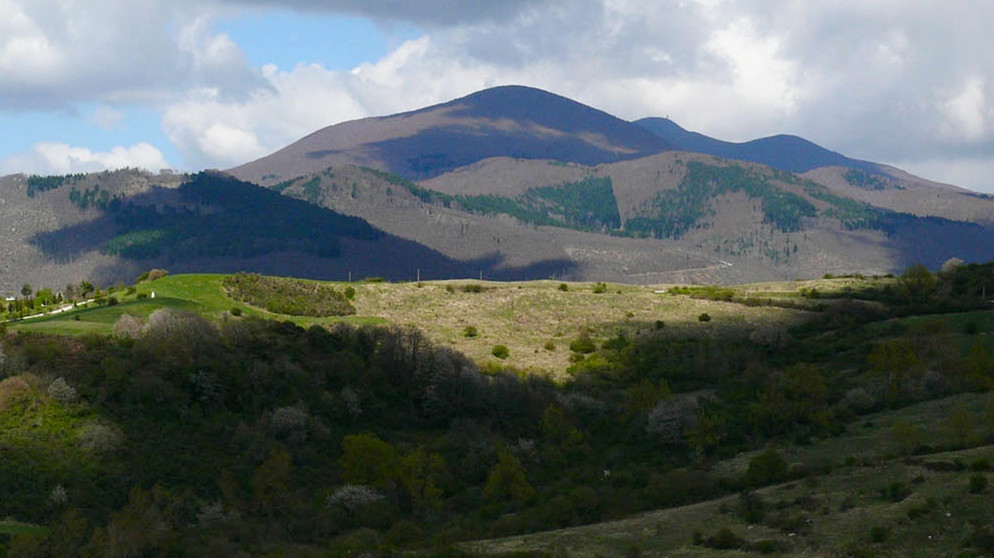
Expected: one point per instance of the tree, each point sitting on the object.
(366, 459)
(507, 480)
(917, 283)
(668, 418)
(896, 360)
(960, 425)
(418, 471)
(271, 483)
(26, 290)
(641, 398)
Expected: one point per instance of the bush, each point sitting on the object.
(470, 332)
(61, 391)
(705, 317)
(563, 287)
(879, 534)
(294, 297)
(600, 288)
(349, 292)
(978, 483)
(895, 492)
(128, 327)
(473, 288)
(404, 533)
(550, 346)
(500, 351)
(766, 468)
(152, 275)
(583, 344)
(236, 311)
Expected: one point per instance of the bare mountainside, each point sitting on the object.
(668, 217)
(513, 121)
(109, 227)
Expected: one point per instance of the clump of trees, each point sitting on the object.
(293, 297)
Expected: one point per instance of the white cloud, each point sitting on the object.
(59, 158)
(974, 173)
(875, 79)
(966, 112)
(211, 131)
(106, 118)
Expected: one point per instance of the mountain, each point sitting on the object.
(784, 152)
(507, 183)
(109, 227)
(508, 121)
(671, 217)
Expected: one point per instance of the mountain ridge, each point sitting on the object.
(514, 121)
(782, 151)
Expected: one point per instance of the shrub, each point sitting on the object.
(879, 534)
(61, 391)
(895, 492)
(128, 327)
(470, 332)
(12, 390)
(751, 507)
(705, 317)
(978, 483)
(766, 468)
(99, 438)
(583, 344)
(294, 297)
(352, 497)
(724, 539)
(404, 533)
(349, 292)
(658, 325)
(600, 288)
(550, 346)
(472, 288)
(563, 287)
(501, 351)
(236, 311)
(289, 422)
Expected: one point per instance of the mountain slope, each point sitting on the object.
(784, 152)
(511, 121)
(109, 227)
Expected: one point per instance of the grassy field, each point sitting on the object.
(536, 320)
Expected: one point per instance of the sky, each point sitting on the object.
(88, 85)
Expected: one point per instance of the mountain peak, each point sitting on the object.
(506, 121)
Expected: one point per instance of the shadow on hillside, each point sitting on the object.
(933, 240)
(215, 224)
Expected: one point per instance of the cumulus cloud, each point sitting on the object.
(430, 12)
(882, 80)
(59, 158)
(55, 53)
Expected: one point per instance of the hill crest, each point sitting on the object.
(510, 121)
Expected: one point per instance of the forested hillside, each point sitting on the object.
(204, 434)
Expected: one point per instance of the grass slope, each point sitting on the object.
(536, 320)
(849, 510)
